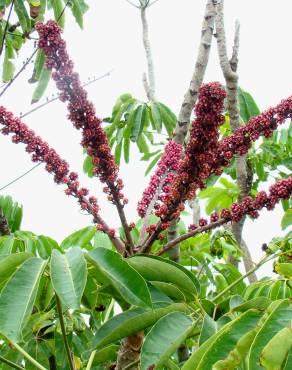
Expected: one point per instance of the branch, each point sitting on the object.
(6, 27)
(198, 74)
(229, 69)
(190, 234)
(63, 329)
(148, 85)
(11, 364)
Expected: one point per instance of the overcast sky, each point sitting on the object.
(111, 39)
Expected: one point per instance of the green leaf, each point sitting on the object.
(218, 346)
(128, 282)
(69, 274)
(154, 268)
(155, 116)
(12, 211)
(8, 68)
(209, 327)
(88, 166)
(58, 7)
(259, 303)
(102, 240)
(77, 12)
(168, 117)
(164, 338)
(105, 355)
(275, 352)
(279, 315)
(22, 14)
(38, 66)
(127, 149)
(118, 152)
(9, 264)
(247, 105)
(284, 269)
(42, 85)
(138, 123)
(17, 297)
(152, 164)
(132, 321)
(287, 219)
(80, 238)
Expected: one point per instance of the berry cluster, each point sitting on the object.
(81, 110)
(199, 156)
(163, 176)
(41, 152)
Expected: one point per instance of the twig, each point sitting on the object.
(188, 235)
(10, 363)
(19, 72)
(19, 177)
(58, 95)
(29, 59)
(27, 356)
(4, 227)
(6, 27)
(63, 329)
(131, 365)
(130, 2)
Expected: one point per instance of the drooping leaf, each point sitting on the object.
(218, 346)
(8, 68)
(247, 105)
(42, 85)
(17, 297)
(274, 354)
(287, 219)
(279, 315)
(154, 268)
(23, 17)
(132, 321)
(69, 273)
(77, 12)
(128, 282)
(58, 7)
(80, 238)
(164, 338)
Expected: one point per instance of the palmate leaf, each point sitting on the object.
(17, 297)
(164, 338)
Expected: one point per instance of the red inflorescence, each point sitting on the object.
(163, 175)
(282, 189)
(41, 152)
(199, 156)
(81, 110)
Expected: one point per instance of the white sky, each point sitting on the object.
(112, 40)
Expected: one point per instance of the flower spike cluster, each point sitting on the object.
(163, 176)
(199, 154)
(81, 110)
(41, 152)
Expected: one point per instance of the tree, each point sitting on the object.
(184, 303)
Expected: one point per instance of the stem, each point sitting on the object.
(132, 364)
(256, 267)
(27, 356)
(11, 364)
(63, 329)
(92, 355)
(90, 361)
(19, 177)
